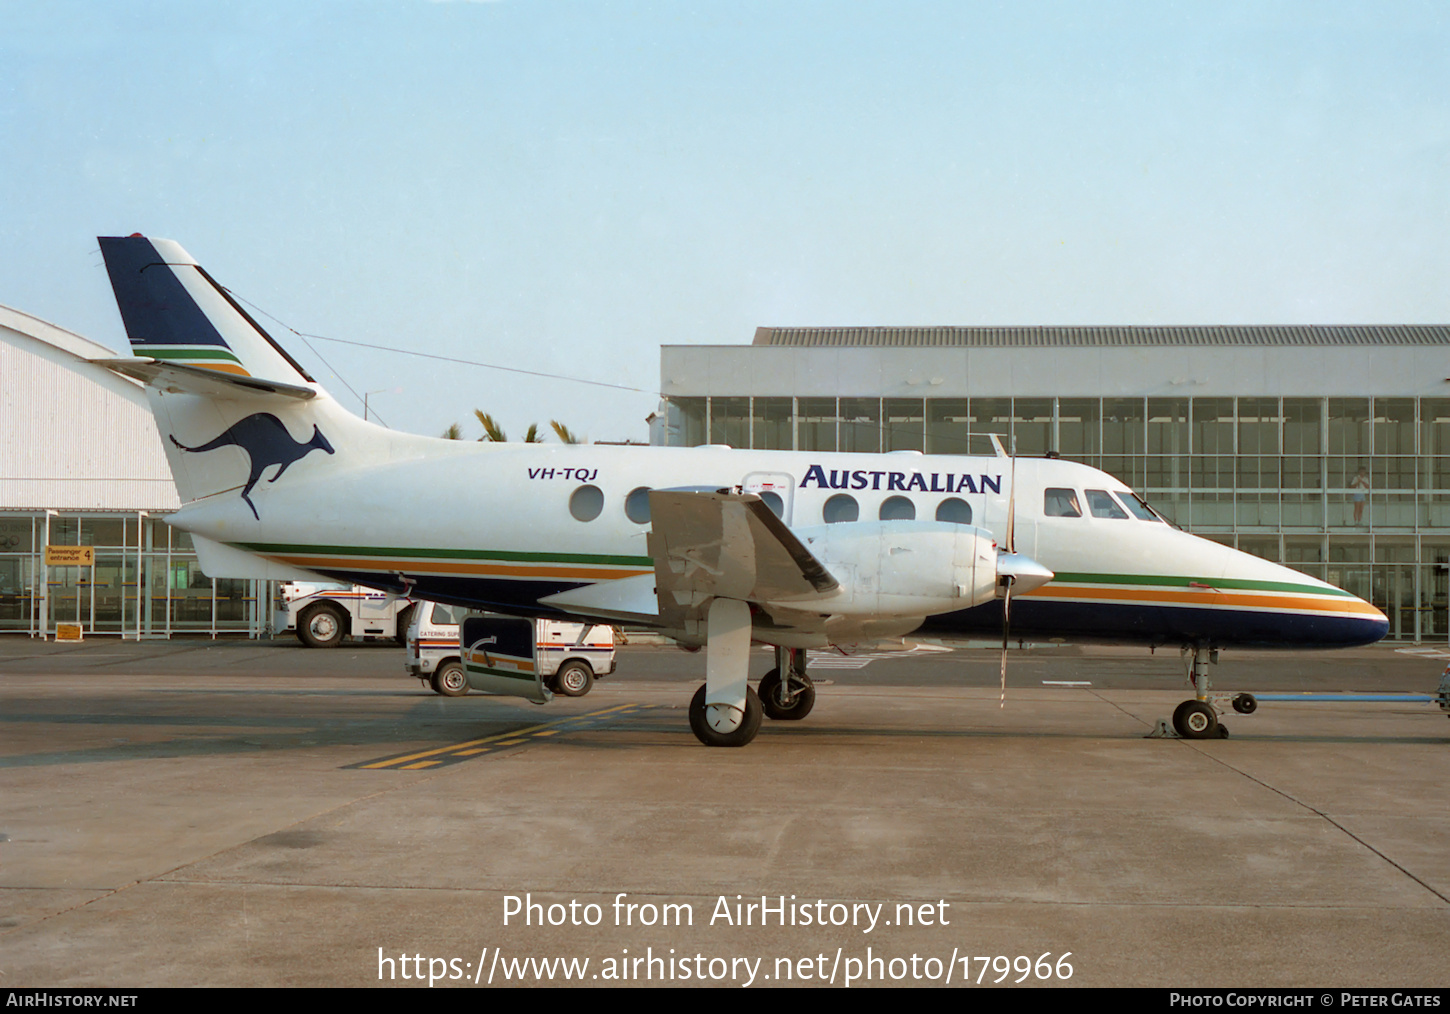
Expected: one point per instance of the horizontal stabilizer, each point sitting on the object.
(728, 545)
(177, 378)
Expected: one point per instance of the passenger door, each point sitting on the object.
(500, 657)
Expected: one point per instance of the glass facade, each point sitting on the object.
(1355, 491)
(145, 581)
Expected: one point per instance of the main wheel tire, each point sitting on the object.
(771, 690)
(1245, 704)
(743, 733)
(322, 626)
(574, 679)
(449, 679)
(405, 619)
(1195, 720)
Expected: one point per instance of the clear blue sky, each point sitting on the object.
(568, 186)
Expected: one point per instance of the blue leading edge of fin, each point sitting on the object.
(155, 307)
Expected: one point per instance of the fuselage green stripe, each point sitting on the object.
(277, 548)
(1171, 581)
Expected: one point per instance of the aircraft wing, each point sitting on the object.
(727, 545)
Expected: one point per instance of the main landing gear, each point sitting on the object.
(792, 698)
(725, 711)
(1198, 718)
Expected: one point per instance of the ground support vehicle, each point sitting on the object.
(322, 615)
(570, 656)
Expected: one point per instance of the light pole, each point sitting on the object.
(381, 390)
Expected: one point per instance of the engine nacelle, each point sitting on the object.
(902, 568)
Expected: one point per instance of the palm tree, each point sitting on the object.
(453, 432)
(491, 430)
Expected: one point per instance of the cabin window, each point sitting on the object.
(586, 502)
(839, 508)
(636, 505)
(956, 511)
(773, 501)
(897, 508)
(1060, 503)
(1104, 506)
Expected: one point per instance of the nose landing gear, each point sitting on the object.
(1198, 718)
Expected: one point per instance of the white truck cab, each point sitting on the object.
(571, 656)
(323, 614)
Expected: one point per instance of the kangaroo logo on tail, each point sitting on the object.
(267, 442)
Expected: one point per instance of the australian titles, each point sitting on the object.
(934, 482)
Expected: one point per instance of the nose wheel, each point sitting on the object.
(1196, 720)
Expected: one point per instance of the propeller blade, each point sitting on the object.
(1011, 545)
(1006, 631)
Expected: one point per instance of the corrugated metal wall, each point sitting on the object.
(74, 436)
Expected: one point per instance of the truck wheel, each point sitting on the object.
(449, 679)
(321, 626)
(574, 679)
(405, 618)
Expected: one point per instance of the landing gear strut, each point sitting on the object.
(1197, 719)
(792, 698)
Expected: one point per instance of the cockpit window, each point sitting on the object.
(1138, 506)
(1104, 506)
(1060, 503)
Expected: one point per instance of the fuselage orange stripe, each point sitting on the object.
(1208, 597)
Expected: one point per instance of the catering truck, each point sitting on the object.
(568, 656)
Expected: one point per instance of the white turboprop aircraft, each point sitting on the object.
(714, 547)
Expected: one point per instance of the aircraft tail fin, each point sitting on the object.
(234, 410)
(176, 313)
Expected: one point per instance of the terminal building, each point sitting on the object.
(81, 465)
(1326, 449)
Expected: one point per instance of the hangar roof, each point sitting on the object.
(1078, 337)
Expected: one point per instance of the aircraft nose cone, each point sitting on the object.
(1025, 572)
(1375, 616)
(1362, 624)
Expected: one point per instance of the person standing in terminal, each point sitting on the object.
(1360, 487)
